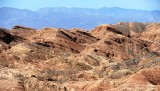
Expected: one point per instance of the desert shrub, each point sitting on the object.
(83, 66)
(120, 73)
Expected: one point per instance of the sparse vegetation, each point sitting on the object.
(110, 57)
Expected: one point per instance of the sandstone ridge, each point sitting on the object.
(111, 57)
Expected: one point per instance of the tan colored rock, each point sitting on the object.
(111, 57)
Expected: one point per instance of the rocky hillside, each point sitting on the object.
(119, 57)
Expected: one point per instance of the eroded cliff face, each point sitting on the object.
(119, 57)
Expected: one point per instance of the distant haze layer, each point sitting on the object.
(73, 17)
(36, 4)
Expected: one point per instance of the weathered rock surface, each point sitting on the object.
(119, 57)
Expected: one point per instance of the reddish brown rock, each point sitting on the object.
(111, 57)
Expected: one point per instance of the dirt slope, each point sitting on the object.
(110, 57)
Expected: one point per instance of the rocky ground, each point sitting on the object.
(119, 57)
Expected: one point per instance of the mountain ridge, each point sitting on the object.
(110, 57)
(73, 17)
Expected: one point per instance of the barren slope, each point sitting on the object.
(119, 57)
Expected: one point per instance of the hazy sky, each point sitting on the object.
(36, 4)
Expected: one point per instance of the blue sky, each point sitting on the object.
(36, 4)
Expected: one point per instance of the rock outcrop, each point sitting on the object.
(110, 57)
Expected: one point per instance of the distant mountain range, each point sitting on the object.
(73, 17)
